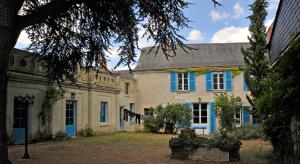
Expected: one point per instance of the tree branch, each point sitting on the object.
(50, 9)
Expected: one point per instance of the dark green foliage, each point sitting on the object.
(255, 59)
(61, 135)
(280, 101)
(230, 145)
(183, 146)
(247, 133)
(87, 132)
(225, 108)
(151, 125)
(81, 32)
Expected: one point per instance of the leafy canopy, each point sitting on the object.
(72, 32)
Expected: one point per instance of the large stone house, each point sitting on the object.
(194, 77)
(98, 100)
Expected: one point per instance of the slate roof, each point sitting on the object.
(124, 74)
(202, 55)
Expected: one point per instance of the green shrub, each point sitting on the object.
(61, 135)
(230, 145)
(247, 133)
(183, 146)
(87, 132)
(151, 125)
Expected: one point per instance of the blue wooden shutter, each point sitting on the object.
(246, 88)
(228, 76)
(208, 81)
(173, 82)
(192, 81)
(246, 116)
(212, 119)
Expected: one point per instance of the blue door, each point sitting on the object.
(20, 113)
(70, 118)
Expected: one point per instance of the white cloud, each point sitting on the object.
(195, 36)
(143, 41)
(231, 34)
(269, 22)
(23, 39)
(216, 16)
(112, 53)
(238, 11)
(273, 5)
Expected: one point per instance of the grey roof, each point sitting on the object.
(202, 55)
(124, 74)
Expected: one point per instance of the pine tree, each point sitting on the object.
(256, 62)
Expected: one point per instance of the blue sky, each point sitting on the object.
(220, 24)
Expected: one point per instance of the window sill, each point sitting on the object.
(183, 91)
(104, 124)
(219, 91)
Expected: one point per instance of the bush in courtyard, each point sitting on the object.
(173, 117)
(247, 133)
(228, 144)
(87, 132)
(185, 145)
(151, 125)
(61, 135)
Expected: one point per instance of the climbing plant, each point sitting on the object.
(52, 95)
(201, 71)
(225, 108)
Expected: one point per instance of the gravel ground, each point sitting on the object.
(112, 148)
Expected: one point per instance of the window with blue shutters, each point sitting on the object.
(218, 80)
(103, 112)
(182, 81)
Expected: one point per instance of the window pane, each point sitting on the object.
(203, 120)
(203, 106)
(196, 113)
(195, 106)
(186, 87)
(196, 119)
(185, 75)
(221, 86)
(215, 86)
(179, 87)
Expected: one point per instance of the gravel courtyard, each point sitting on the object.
(119, 148)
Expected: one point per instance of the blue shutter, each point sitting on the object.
(228, 76)
(192, 81)
(212, 119)
(246, 88)
(246, 116)
(208, 81)
(173, 82)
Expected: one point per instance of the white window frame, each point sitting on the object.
(218, 81)
(106, 113)
(181, 75)
(240, 119)
(200, 114)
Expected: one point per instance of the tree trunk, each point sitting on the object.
(8, 38)
(295, 129)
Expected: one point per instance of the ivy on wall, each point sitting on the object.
(201, 71)
(45, 115)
